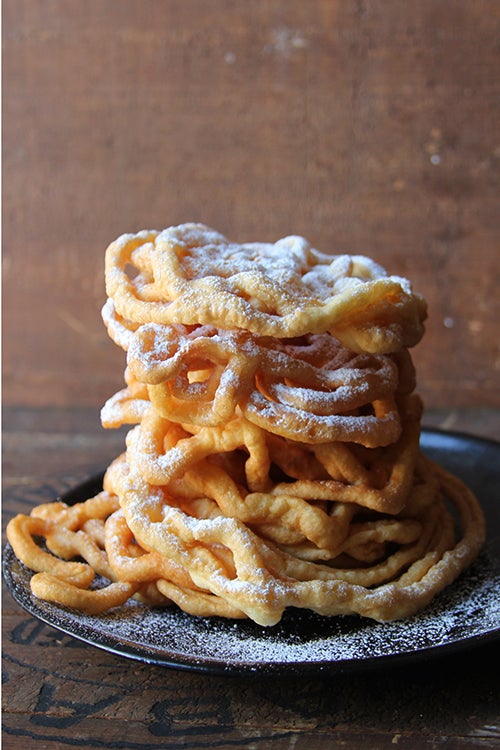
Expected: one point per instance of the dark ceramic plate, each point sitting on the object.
(465, 614)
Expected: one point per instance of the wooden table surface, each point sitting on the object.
(63, 693)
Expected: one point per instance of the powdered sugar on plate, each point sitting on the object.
(468, 610)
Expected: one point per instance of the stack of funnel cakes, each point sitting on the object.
(273, 459)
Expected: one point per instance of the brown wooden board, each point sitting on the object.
(368, 127)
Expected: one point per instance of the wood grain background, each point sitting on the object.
(368, 127)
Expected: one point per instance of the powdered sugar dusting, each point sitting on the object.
(290, 262)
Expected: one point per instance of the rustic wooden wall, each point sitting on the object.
(369, 127)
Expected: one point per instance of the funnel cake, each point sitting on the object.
(273, 456)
